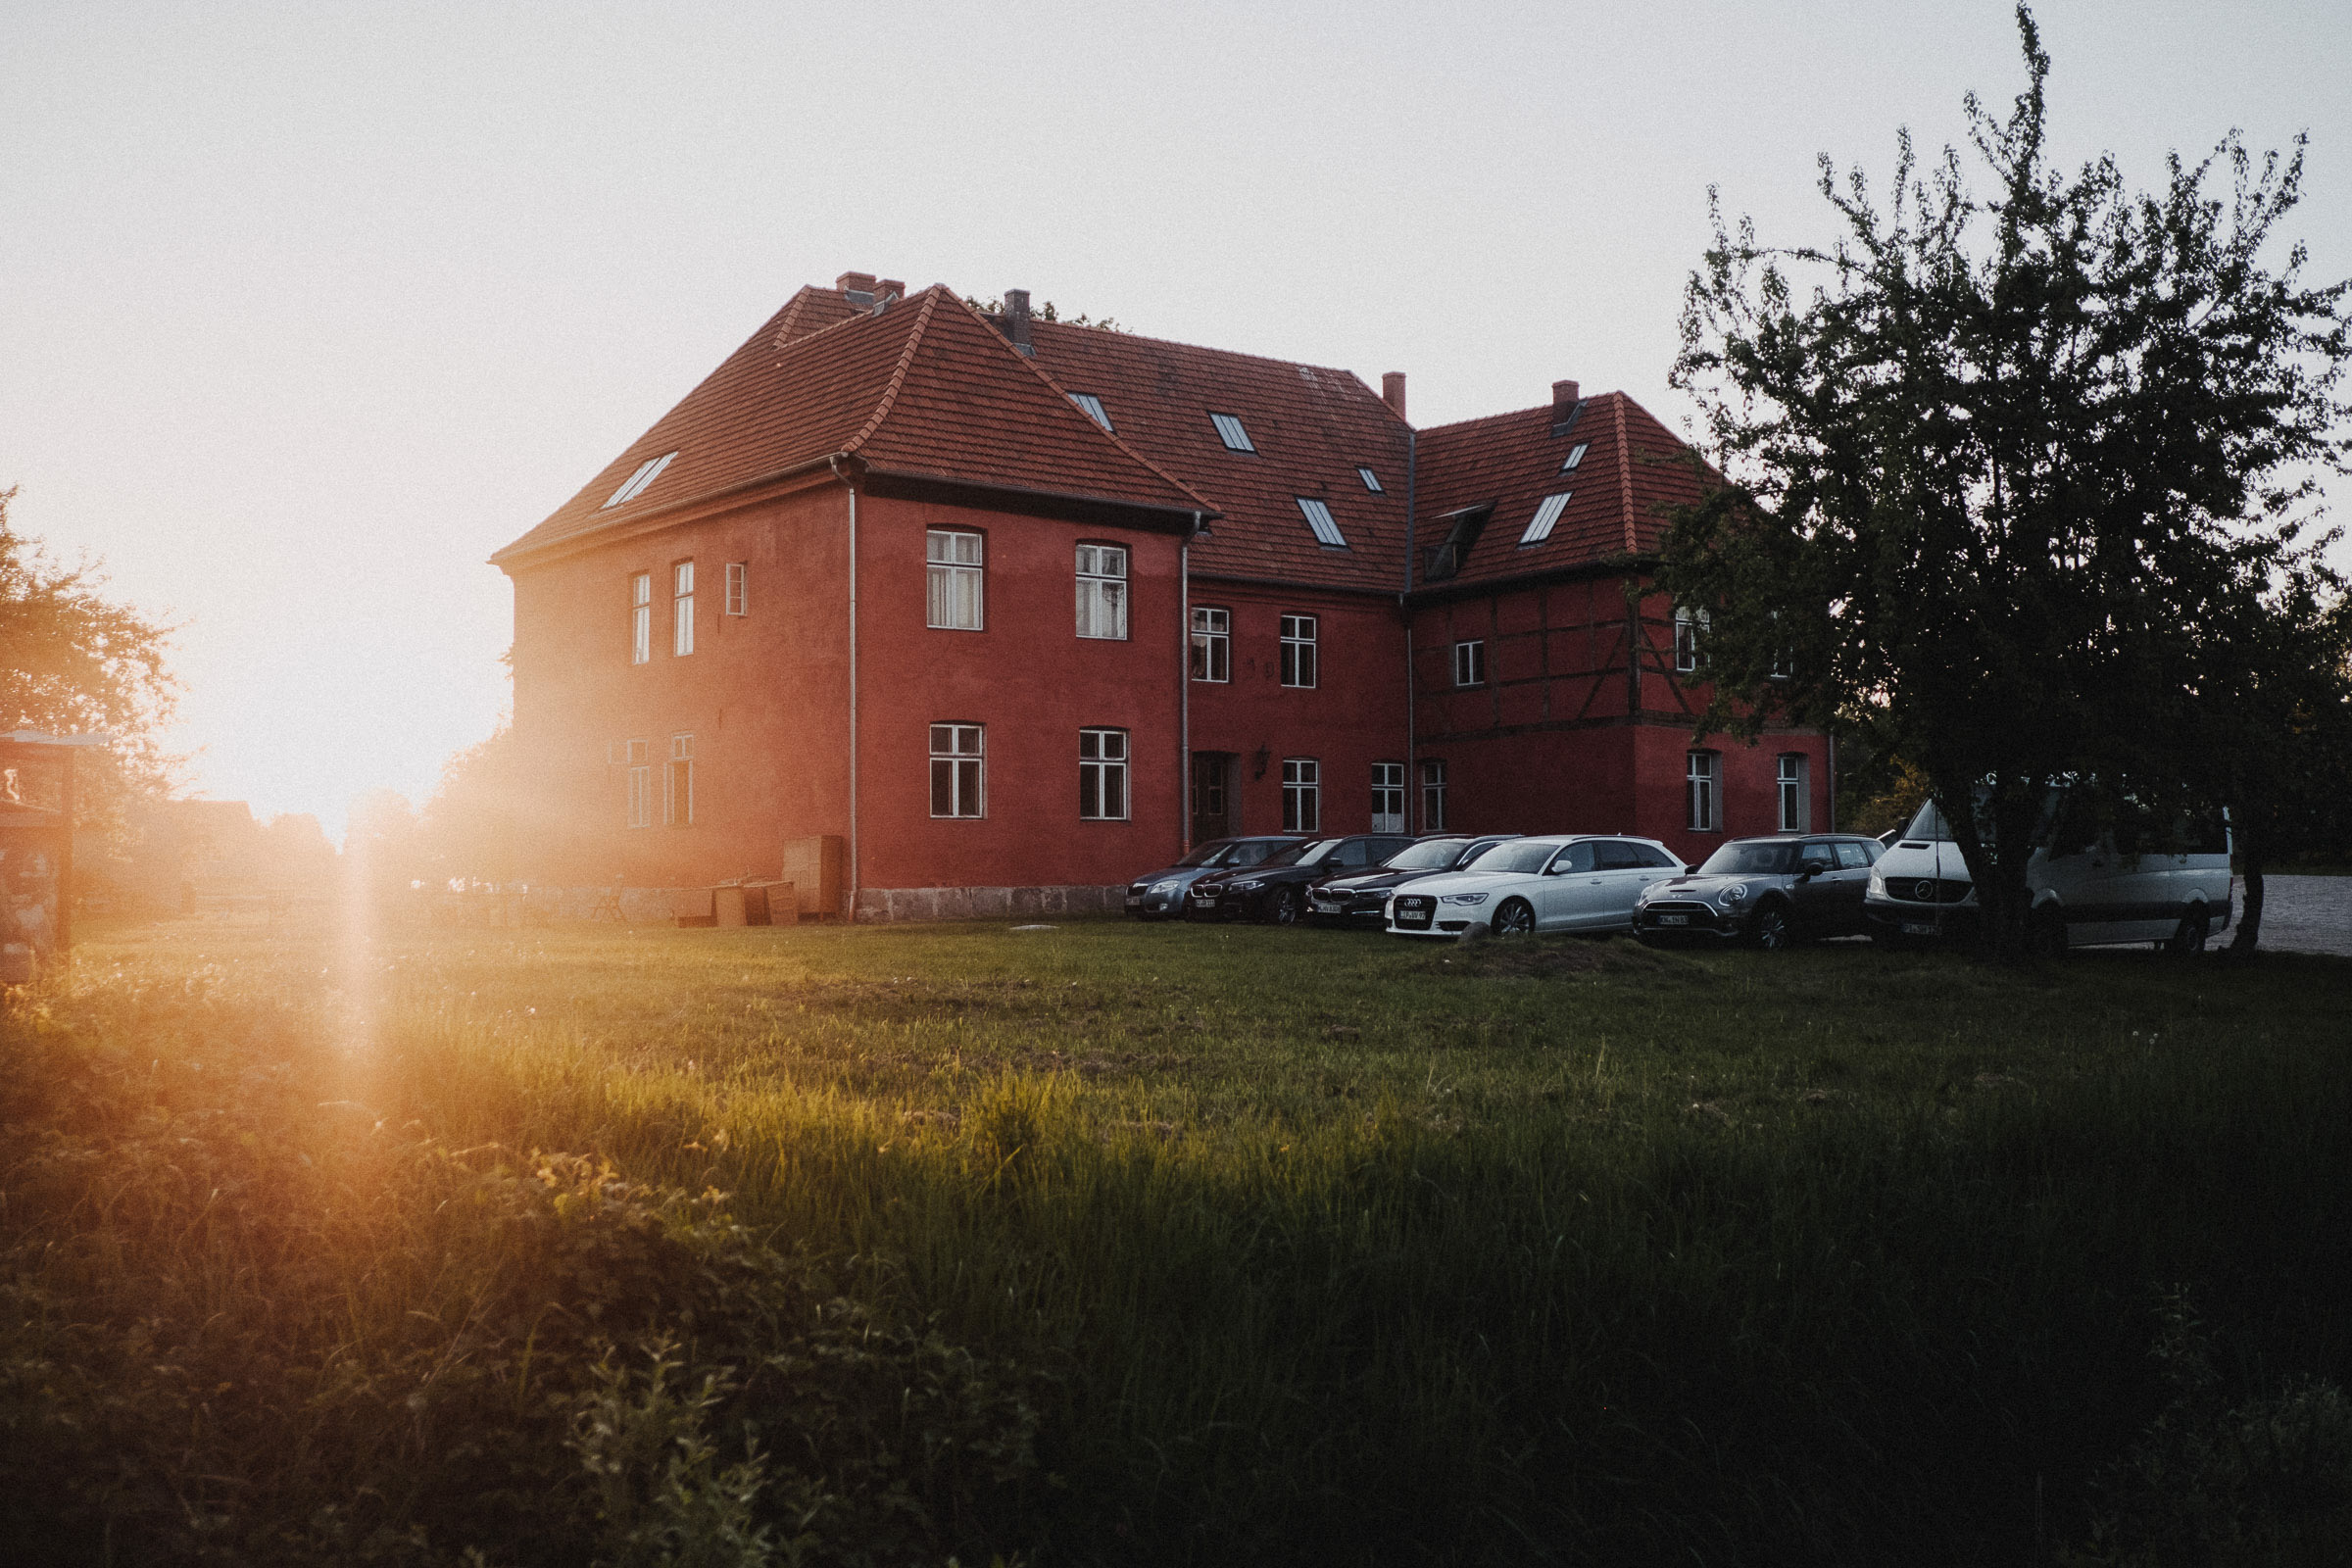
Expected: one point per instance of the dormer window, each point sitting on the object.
(1539, 527)
(1371, 481)
(1230, 432)
(634, 486)
(1321, 519)
(1093, 407)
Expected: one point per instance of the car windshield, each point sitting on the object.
(1316, 854)
(1212, 852)
(1434, 855)
(1751, 859)
(1929, 823)
(1523, 855)
(1286, 855)
(1249, 852)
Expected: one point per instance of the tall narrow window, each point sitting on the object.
(1470, 664)
(677, 795)
(641, 617)
(641, 784)
(958, 759)
(682, 609)
(1103, 775)
(954, 597)
(1796, 801)
(1706, 806)
(1690, 628)
(1212, 644)
(1297, 650)
(1433, 795)
(1101, 591)
(739, 588)
(1301, 795)
(1387, 798)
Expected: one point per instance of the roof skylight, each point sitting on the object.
(1371, 481)
(1319, 518)
(1539, 527)
(634, 486)
(1092, 406)
(1576, 455)
(1230, 432)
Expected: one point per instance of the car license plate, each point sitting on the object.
(1674, 919)
(1918, 928)
(1134, 899)
(1418, 919)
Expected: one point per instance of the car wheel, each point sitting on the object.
(1282, 907)
(1769, 928)
(1516, 918)
(2045, 933)
(2195, 927)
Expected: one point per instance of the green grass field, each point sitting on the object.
(1101, 1244)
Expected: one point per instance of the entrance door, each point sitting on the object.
(1214, 814)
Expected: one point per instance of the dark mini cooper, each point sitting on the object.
(1362, 898)
(1274, 890)
(1770, 893)
(1159, 896)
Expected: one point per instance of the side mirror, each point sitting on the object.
(1813, 868)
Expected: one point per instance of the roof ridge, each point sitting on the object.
(782, 336)
(1625, 471)
(1037, 322)
(897, 375)
(1112, 436)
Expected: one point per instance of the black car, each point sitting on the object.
(1359, 899)
(1275, 889)
(1159, 896)
(1770, 893)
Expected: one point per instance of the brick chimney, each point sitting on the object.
(1392, 392)
(859, 286)
(890, 288)
(1016, 320)
(1563, 400)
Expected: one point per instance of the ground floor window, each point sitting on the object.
(677, 795)
(1212, 643)
(1796, 799)
(1301, 795)
(1433, 795)
(641, 783)
(1387, 798)
(1103, 774)
(1706, 804)
(958, 759)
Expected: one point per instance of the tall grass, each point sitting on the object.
(1109, 1244)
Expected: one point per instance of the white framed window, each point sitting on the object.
(681, 603)
(1092, 406)
(1371, 481)
(953, 598)
(739, 588)
(1230, 432)
(1704, 794)
(1540, 527)
(1298, 649)
(641, 618)
(635, 486)
(958, 770)
(641, 783)
(1103, 775)
(1321, 523)
(1103, 591)
(677, 792)
(1387, 798)
(1301, 795)
(1690, 627)
(1433, 795)
(1796, 801)
(1470, 663)
(1212, 643)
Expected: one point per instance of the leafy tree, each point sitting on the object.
(73, 662)
(474, 822)
(1992, 461)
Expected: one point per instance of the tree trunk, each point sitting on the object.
(2249, 918)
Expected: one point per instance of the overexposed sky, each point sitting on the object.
(305, 308)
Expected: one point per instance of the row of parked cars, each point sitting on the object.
(1773, 892)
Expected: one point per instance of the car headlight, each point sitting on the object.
(1169, 886)
(1733, 894)
(1462, 897)
(1249, 886)
(1878, 884)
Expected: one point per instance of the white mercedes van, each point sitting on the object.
(2127, 879)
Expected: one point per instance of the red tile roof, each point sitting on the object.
(1511, 462)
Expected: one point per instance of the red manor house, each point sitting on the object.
(1020, 610)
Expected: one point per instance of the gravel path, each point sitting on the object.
(2301, 913)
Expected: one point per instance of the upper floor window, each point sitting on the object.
(1702, 793)
(1297, 650)
(952, 597)
(1387, 798)
(1470, 664)
(1319, 518)
(1092, 406)
(958, 758)
(1103, 775)
(1212, 643)
(677, 794)
(1690, 627)
(739, 588)
(682, 609)
(1433, 795)
(635, 486)
(641, 617)
(641, 784)
(1101, 591)
(1230, 432)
